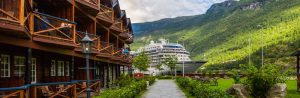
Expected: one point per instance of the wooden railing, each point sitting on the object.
(95, 38)
(105, 13)
(118, 25)
(53, 28)
(15, 92)
(57, 89)
(49, 90)
(82, 86)
(106, 47)
(118, 52)
(94, 2)
(126, 34)
(10, 11)
(129, 40)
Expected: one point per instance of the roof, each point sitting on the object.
(296, 53)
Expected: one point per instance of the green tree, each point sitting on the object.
(171, 62)
(141, 61)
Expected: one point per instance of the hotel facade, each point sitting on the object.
(40, 49)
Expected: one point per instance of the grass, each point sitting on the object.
(224, 84)
(292, 89)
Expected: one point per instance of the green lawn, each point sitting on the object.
(224, 84)
(292, 87)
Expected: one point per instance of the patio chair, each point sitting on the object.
(46, 91)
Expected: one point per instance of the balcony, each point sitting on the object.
(53, 30)
(105, 15)
(13, 17)
(106, 50)
(117, 26)
(125, 35)
(72, 89)
(129, 40)
(95, 45)
(90, 6)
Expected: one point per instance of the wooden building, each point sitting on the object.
(297, 54)
(40, 46)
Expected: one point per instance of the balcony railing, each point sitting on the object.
(53, 28)
(118, 52)
(118, 25)
(95, 38)
(125, 35)
(93, 2)
(105, 13)
(106, 48)
(82, 87)
(8, 12)
(72, 89)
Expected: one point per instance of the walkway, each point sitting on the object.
(164, 89)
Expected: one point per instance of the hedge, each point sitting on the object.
(199, 90)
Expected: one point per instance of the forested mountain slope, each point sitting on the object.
(230, 31)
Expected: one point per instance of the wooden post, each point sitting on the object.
(117, 42)
(22, 94)
(31, 23)
(34, 92)
(28, 66)
(21, 12)
(27, 93)
(72, 68)
(74, 91)
(73, 19)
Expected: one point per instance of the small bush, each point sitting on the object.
(150, 79)
(199, 90)
(128, 91)
(259, 81)
(164, 77)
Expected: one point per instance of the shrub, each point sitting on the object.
(124, 80)
(128, 91)
(164, 77)
(199, 90)
(259, 81)
(235, 74)
(150, 79)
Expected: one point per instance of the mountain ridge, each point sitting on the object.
(222, 33)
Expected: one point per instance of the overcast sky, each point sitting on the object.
(151, 10)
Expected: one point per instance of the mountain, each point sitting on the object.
(229, 31)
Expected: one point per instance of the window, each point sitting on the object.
(19, 66)
(33, 70)
(67, 72)
(53, 68)
(60, 68)
(5, 66)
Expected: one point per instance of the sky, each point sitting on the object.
(150, 10)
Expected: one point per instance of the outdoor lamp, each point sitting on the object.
(86, 44)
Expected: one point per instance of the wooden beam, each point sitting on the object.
(21, 12)
(73, 19)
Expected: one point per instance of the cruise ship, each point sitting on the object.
(159, 51)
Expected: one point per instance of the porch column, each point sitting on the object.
(28, 67)
(123, 69)
(107, 75)
(72, 68)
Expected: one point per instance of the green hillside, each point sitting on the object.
(222, 35)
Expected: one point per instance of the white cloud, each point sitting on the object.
(151, 10)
